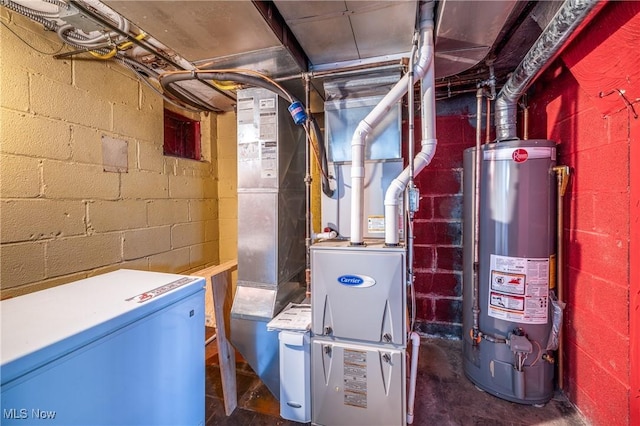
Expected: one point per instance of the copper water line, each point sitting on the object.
(562, 175)
(525, 123)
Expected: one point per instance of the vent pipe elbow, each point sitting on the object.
(424, 156)
(422, 65)
(571, 15)
(397, 187)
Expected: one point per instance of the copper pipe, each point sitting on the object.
(475, 332)
(307, 182)
(562, 175)
(525, 124)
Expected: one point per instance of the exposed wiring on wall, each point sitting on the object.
(109, 36)
(30, 45)
(627, 103)
(117, 48)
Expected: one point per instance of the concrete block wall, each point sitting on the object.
(62, 216)
(438, 223)
(227, 154)
(580, 103)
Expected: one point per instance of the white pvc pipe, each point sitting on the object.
(397, 187)
(415, 350)
(422, 159)
(377, 114)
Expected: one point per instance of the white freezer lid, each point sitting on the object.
(42, 326)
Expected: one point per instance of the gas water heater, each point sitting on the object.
(507, 313)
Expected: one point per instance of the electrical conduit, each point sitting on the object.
(375, 117)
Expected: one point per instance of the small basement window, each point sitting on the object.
(181, 136)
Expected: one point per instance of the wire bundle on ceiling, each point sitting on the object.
(106, 35)
(110, 36)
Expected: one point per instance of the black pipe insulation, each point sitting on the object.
(167, 80)
(324, 166)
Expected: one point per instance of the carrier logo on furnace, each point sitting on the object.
(359, 281)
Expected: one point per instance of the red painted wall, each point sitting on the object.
(578, 102)
(438, 224)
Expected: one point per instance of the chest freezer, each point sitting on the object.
(126, 347)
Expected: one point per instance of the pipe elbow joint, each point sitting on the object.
(424, 158)
(361, 133)
(392, 197)
(424, 62)
(429, 146)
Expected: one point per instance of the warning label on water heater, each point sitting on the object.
(519, 289)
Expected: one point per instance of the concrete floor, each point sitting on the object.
(444, 396)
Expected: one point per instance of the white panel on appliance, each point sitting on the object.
(126, 347)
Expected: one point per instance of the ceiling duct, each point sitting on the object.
(282, 39)
(466, 31)
(572, 15)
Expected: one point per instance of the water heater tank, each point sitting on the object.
(516, 270)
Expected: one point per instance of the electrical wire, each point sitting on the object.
(316, 153)
(254, 78)
(133, 66)
(324, 162)
(104, 46)
(240, 71)
(36, 12)
(58, 3)
(31, 14)
(539, 354)
(182, 95)
(31, 46)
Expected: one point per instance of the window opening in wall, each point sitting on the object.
(181, 136)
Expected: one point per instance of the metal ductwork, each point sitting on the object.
(569, 17)
(271, 204)
(465, 32)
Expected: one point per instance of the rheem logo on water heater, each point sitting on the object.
(520, 155)
(359, 281)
